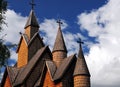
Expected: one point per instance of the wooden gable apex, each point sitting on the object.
(36, 64)
(57, 73)
(23, 38)
(9, 76)
(29, 42)
(36, 35)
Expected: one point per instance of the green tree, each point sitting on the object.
(3, 9)
(4, 54)
(4, 51)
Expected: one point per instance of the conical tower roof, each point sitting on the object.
(32, 21)
(59, 42)
(81, 66)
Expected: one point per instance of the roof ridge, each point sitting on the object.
(30, 41)
(51, 68)
(26, 41)
(25, 72)
(61, 70)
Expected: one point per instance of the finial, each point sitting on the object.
(32, 4)
(59, 22)
(20, 33)
(80, 41)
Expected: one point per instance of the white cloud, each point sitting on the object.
(15, 24)
(104, 57)
(103, 23)
(50, 28)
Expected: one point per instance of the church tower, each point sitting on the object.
(81, 72)
(32, 25)
(59, 50)
(37, 66)
(30, 41)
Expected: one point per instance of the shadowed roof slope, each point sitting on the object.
(57, 73)
(23, 75)
(32, 20)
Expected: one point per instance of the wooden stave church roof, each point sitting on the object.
(20, 74)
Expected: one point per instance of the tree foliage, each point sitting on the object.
(4, 54)
(4, 51)
(3, 9)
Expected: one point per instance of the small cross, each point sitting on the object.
(32, 4)
(80, 41)
(20, 33)
(59, 22)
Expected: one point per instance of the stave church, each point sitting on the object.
(38, 66)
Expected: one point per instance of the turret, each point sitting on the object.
(30, 41)
(32, 25)
(81, 72)
(59, 50)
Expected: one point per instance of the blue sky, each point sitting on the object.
(64, 9)
(97, 22)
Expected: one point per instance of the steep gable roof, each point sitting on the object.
(63, 67)
(25, 72)
(12, 73)
(57, 73)
(29, 42)
(33, 38)
(25, 39)
(32, 21)
(51, 68)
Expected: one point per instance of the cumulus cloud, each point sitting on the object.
(48, 30)
(15, 24)
(104, 57)
(49, 27)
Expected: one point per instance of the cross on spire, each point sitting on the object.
(59, 22)
(80, 41)
(32, 4)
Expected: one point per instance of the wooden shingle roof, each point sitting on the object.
(59, 42)
(57, 73)
(29, 42)
(81, 66)
(51, 68)
(25, 72)
(32, 21)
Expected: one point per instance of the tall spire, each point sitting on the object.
(59, 42)
(81, 66)
(80, 53)
(32, 21)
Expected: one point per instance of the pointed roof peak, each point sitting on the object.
(59, 23)
(80, 53)
(81, 66)
(59, 42)
(32, 21)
